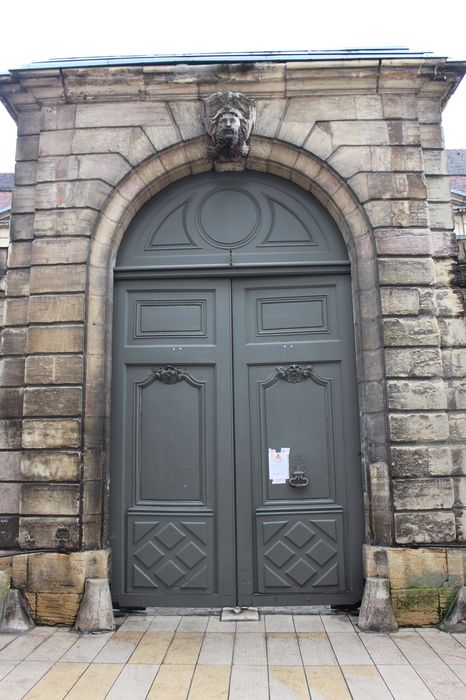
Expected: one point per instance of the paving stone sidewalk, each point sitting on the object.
(281, 657)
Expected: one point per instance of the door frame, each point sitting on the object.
(313, 175)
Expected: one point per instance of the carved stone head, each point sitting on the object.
(228, 120)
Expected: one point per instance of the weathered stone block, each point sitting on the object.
(51, 251)
(415, 395)
(457, 421)
(57, 278)
(57, 401)
(17, 283)
(43, 465)
(413, 362)
(398, 213)
(438, 188)
(59, 573)
(10, 466)
(13, 341)
(65, 222)
(435, 162)
(452, 332)
(56, 143)
(26, 173)
(449, 302)
(57, 608)
(388, 186)
(27, 148)
(11, 371)
(54, 369)
(456, 394)
(162, 136)
(40, 531)
(440, 215)
(418, 427)
(458, 458)
(19, 254)
(10, 434)
(11, 404)
(109, 167)
(46, 499)
(29, 123)
(405, 271)
(16, 312)
(403, 241)
(409, 332)
(23, 200)
(122, 114)
(51, 433)
(425, 528)
(421, 461)
(444, 244)
(57, 117)
(9, 498)
(55, 339)
(416, 606)
(59, 195)
(380, 502)
(21, 227)
(187, 117)
(454, 362)
(417, 568)
(130, 142)
(401, 301)
(56, 308)
(444, 272)
(9, 529)
(423, 494)
(455, 567)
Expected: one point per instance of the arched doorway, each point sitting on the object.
(233, 336)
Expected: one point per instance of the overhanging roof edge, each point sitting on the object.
(396, 53)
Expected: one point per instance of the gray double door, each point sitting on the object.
(209, 375)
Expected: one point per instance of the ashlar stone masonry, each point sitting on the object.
(95, 142)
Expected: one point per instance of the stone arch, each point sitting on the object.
(314, 176)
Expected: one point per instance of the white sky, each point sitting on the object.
(35, 30)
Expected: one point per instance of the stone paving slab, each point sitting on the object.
(189, 657)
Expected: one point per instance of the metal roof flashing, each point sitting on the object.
(383, 53)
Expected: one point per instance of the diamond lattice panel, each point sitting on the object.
(301, 554)
(170, 554)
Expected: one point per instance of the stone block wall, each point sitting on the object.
(365, 138)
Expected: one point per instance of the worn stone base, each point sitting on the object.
(53, 584)
(423, 581)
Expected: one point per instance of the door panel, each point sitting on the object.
(172, 445)
(295, 387)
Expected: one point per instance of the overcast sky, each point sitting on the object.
(34, 31)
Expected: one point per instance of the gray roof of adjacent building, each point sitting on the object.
(456, 161)
(7, 182)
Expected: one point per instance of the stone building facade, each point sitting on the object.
(360, 134)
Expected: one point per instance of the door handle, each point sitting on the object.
(298, 480)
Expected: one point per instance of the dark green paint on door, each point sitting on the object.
(209, 373)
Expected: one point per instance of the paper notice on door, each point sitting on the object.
(279, 465)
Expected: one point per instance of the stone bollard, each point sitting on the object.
(376, 613)
(455, 619)
(16, 616)
(4, 588)
(96, 611)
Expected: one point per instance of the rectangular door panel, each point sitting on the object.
(171, 555)
(295, 408)
(168, 404)
(300, 552)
